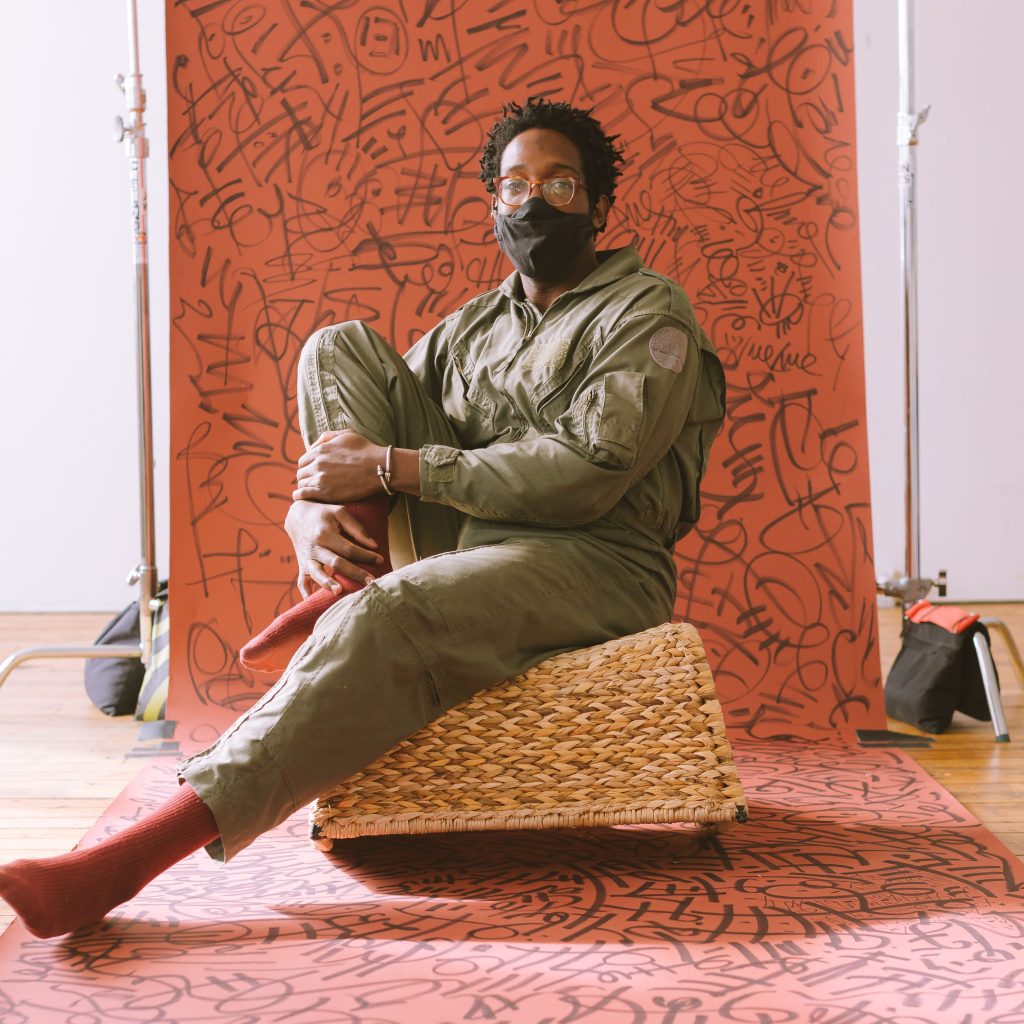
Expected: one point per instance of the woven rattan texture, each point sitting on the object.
(627, 732)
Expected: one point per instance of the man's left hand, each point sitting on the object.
(340, 466)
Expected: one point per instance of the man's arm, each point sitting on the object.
(623, 419)
(341, 466)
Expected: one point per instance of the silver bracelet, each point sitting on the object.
(384, 472)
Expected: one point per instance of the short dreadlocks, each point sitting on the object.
(599, 153)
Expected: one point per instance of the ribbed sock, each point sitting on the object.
(272, 649)
(55, 895)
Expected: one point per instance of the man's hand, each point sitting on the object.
(328, 540)
(340, 466)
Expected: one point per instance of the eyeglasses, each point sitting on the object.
(514, 191)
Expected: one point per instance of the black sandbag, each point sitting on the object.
(113, 684)
(936, 673)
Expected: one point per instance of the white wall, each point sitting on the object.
(68, 464)
(69, 513)
(971, 227)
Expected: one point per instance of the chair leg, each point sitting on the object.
(988, 680)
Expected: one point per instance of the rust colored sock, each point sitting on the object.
(54, 895)
(272, 649)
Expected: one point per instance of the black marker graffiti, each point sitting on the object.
(857, 892)
(324, 163)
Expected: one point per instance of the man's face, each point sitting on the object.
(541, 153)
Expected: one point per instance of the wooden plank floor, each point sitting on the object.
(62, 761)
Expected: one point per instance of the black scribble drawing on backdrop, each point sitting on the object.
(323, 163)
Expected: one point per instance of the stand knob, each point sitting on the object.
(120, 131)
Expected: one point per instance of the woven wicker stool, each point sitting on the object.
(627, 732)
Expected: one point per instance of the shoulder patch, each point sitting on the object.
(668, 348)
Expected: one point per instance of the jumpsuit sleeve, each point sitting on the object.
(624, 416)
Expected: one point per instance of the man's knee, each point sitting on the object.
(318, 353)
(340, 365)
(332, 348)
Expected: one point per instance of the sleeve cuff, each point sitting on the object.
(437, 467)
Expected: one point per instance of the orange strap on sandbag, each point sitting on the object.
(948, 616)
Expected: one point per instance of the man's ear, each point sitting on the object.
(600, 212)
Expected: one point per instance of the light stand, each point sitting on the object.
(911, 587)
(133, 134)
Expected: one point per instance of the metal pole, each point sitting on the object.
(137, 147)
(907, 142)
(910, 587)
(10, 663)
(991, 687)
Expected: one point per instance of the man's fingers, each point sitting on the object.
(353, 528)
(319, 577)
(311, 473)
(309, 478)
(339, 532)
(311, 452)
(341, 546)
(308, 492)
(340, 567)
(324, 573)
(346, 564)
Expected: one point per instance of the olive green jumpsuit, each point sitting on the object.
(560, 459)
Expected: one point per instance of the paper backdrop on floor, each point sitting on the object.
(323, 166)
(859, 891)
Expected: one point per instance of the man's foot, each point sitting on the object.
(55, 895)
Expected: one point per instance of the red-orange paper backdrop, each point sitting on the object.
(323, 167)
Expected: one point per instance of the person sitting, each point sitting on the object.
(549, 438)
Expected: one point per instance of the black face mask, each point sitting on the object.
(542, 242)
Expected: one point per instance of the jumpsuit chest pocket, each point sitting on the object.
(467, 403)
(548, 371)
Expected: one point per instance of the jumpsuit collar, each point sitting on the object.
(612, 264)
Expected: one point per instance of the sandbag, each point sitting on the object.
(936, 671)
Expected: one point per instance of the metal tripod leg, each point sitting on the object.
(8, 665)
(988, 680)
